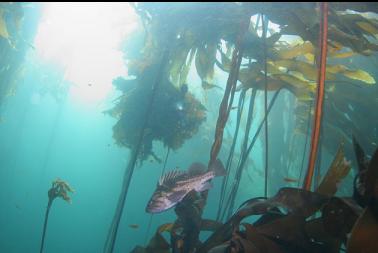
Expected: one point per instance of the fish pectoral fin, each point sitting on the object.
(203, 187)
(176, 196)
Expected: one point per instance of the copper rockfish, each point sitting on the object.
(175, 185)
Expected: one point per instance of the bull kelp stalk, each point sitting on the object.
(112, 234)
(232, 149)
(235, 186)
(265, 29)
(58, 188)
(231, 154)
(151, 215)
(320, 96)
(228, 207)
(192, 232)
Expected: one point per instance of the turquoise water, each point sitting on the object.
(48, 132)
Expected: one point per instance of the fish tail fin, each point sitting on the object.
(218, 168)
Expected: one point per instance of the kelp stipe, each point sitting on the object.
(60, 189)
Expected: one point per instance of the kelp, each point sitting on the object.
(207, 35)
(176, 114)
(14, 43)
(59, 189)
(293, 220)
(365, 229)
(209, 43)
(292, 226)
(338, 170)
(292, 229)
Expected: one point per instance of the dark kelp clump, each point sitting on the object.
(175, 117)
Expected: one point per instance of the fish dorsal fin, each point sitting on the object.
(170, 176)
(197, 168)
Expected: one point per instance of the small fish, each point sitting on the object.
(134, 226)
(290, 180)
(175, 185)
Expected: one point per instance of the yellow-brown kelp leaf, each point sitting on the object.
(342, 54)
(225, 63)
(352, 74)
(3, 26)
(205, 60)
(339, 169)
(185, 70)
(368, 27)
(296, 81)
(356, 22)
(309, 71)
(290, 53)
(357, 44)
(178, 63)
(360, 75)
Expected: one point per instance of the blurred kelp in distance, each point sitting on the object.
(15, 39)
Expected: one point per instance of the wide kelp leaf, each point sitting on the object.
(291, 232)
(338, 170)
(339, 216)
(364, 233)
(292, 201)
(205, 61)
(3, 25)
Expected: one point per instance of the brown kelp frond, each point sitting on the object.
(60, 188)
(366, 228)
(338, 170)
(287, 224)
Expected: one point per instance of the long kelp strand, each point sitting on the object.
(227, 208)
(265, 29)
(320, 96)
(110, 242)
(231, 154)
(239, 169)
(45, 226)
(151, 215)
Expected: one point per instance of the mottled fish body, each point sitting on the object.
(175, 185)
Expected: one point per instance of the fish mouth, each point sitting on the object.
(156, 206)
(154, 209)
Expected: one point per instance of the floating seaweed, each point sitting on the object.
(176, 114)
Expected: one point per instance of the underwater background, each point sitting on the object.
(57, 120)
